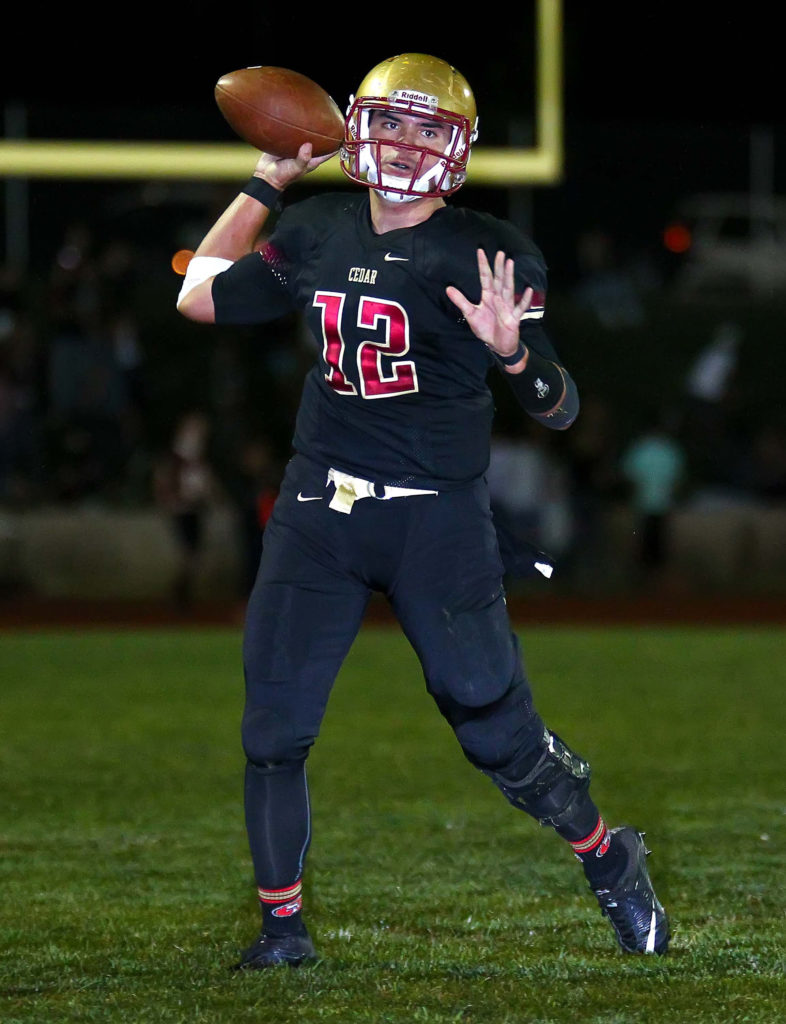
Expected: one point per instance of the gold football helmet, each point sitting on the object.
(421, 86)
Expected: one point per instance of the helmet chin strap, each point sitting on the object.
(396, 197)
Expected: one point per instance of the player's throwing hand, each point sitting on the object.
(497, 317)
(282, 171)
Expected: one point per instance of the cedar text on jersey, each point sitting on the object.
(362, 275)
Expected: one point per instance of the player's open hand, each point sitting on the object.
(282, 171)
(496, 318)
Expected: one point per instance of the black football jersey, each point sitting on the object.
(399, 394)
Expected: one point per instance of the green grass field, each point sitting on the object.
(125, 878)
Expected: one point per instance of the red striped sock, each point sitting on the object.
(281, 908)
(602, 860)
(596, 843)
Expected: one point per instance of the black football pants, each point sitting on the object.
(436, 559)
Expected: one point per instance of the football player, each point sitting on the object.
(414, 301)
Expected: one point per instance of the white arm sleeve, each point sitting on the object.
(199, 269)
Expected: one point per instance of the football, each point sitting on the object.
(276, 110)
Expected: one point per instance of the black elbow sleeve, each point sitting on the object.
(546, 392)
(562, 415)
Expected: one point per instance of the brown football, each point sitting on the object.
(276, 110)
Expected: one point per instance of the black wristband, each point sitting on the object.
(263, 192)
(517, 356)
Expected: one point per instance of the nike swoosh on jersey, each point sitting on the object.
(390, 258)
(303, 497)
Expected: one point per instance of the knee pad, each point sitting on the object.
(477, 660)
(494, 738)
(268, 737)
(550, 788)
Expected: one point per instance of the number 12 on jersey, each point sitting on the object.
(381, 371)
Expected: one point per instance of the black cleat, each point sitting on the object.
(277, 950)
(640, 922)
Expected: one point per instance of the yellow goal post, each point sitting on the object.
(541, 163)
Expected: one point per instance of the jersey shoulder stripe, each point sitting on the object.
(537, 307)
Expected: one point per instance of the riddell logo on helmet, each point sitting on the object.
(408, 96)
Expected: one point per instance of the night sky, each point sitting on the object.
(657, 106)
(658, 63)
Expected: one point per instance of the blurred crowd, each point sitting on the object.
(690, 453)
(72, 385)
(84, 418)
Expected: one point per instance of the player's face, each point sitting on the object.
(402, 131)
